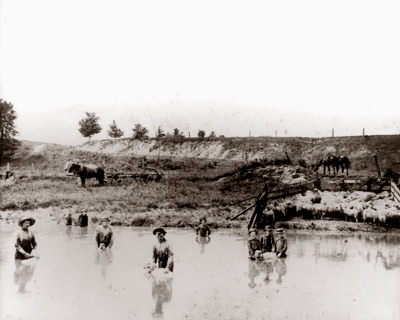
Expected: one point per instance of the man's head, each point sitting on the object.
(160, 234)
(268, 230)
(105, 222)
(203, 221)
(26, 222)
(253, 232)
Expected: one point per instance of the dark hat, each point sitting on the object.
(21, 220)
(161, 230)
(253, 230)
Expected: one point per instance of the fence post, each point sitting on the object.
(8, 166)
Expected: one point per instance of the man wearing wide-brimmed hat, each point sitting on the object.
(163, 256)
(25, 239)
(281, 243)
(253, 244)
(104, 235)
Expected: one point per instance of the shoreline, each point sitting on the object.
(189, 218)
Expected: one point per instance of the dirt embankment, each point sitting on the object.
(358, 149)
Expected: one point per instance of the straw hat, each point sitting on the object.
(25, 218)
(279, 230)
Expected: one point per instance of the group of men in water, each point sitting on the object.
(162, 252)
(267, 243)
(104, 235)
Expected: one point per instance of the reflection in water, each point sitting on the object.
(389, 263)
(83, 232)
(202, 241)
(104, 259)
(253, 272)
(68, 232)
(161, 290)
(280, 268)
(267, 268)
(361, 274)
(332, 252)
(23, 273)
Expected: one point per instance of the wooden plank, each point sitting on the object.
(394, 189)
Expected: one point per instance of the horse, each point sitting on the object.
(328, 162)
(85, 171)
(344, 163)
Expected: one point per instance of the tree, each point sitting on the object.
(177, 134)
(7, 128)
(160, 133)
(201, 134)
(114, 131)
(212, 135)
(89, 126)
(140, 132)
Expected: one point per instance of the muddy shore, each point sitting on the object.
(184, 219)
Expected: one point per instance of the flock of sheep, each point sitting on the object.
(357, 206)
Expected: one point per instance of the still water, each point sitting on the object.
(325, 276)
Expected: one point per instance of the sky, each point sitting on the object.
(239, 68)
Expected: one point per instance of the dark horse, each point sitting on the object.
(85, 171)
(344, 163)
(335, 162)
(328, 162)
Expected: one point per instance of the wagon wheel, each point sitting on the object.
(111, 174)
(147, 174)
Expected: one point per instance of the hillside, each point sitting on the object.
(359, 149)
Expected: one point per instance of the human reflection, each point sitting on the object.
(253, 272)
(68, 232)
(202, 241)
(83, 232)
(161, 292)
(280, 268)
(104, 259)
(267, 267)
(23, 273)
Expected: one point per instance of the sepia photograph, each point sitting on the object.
(180, 159)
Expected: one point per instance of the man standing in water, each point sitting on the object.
(203, 230)
(281, 244)
(104, 235)
(83, 219)
(163, 256)
(25, 240)
(254, 245)
(267, 241)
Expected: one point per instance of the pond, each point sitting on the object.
(325, 276)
